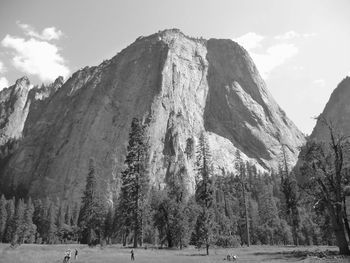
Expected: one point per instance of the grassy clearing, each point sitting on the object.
(55, 253)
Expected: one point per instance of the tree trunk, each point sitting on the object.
(342, 242)
(207, 246)
(346, 221)
(339, 230)
(135, 237)
(124, 239)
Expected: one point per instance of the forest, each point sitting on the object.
(303, 205)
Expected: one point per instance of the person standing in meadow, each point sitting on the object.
(132, 255)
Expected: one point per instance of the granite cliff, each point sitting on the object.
(336, 113)
(179, 85)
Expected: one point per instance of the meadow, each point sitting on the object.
(111, 254)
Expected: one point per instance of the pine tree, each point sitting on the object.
(108, 227)
(17, 223)
(204, 194)
(60, 216)
(290, 190)
(135, 183)
(241, 169)
(3, 217)
(177, 194)
(268, 215)
(92, 214)
(10, 208)
(51, 224)
(28, 229)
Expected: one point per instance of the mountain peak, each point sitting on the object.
(23, 81)
(336, 111)
(182, 86)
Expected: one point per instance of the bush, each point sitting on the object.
(228, 241)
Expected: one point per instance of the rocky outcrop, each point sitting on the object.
(13, 110)
(180, 86)
(336, 113)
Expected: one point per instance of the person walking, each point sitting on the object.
(76, 254)
(132, 255)
(67, 256)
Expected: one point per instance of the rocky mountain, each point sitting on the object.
(179, 85)
(13, 110)
(336, 113)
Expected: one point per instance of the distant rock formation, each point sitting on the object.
(179, 85)
(336, 113)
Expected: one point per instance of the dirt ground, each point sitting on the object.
(109, 254)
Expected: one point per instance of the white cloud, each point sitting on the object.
(36, 57)
(319, 82)
(288, 35)
(3, 83)
(49, 33)
(271, 56)
(292, 35)
(250, 40)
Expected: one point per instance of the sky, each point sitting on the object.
(301, 47)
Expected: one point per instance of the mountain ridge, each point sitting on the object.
(180, 86)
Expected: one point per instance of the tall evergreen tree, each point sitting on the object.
(92, 213)
(17, 223)
(51, 227)
(242, 174)
(135, 183)
(289, 189)
(60, 215)
(204, 194)
(10, 208)
(108, 225)
(29, 228)
(3, 217)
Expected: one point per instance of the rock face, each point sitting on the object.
(180, 86)
(13, 110)
(336, 112)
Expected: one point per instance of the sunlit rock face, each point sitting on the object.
(336, 114)
(180, 87)
(13, 110)
(19, 100)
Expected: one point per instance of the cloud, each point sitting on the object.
(292, 35)
(319, 82)
(3, 83)
(250, 40)
(36, 57)
(273, 57)
(288, 35)
(48, 33)
(270, 57)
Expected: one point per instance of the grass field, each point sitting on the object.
(55, 253)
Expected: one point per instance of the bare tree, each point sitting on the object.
(324, 176)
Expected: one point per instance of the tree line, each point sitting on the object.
(231, 209)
